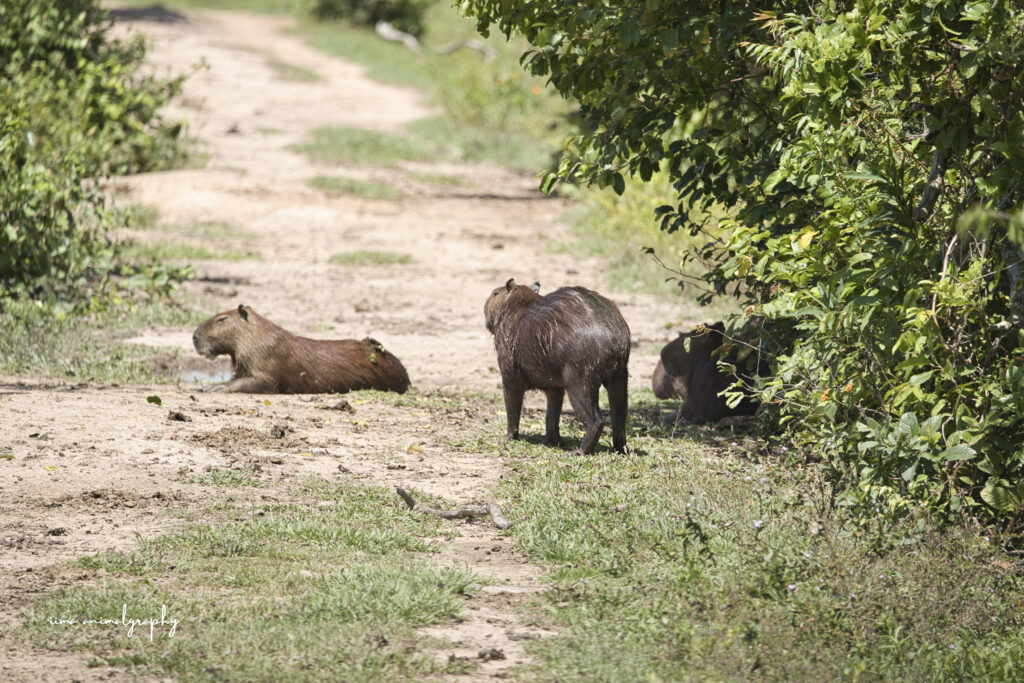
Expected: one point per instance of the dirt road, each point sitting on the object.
(95, 465)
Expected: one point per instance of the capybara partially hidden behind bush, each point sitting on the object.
(267, 359)
(570, 341)
(694, 376)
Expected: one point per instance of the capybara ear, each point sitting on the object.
(510, 285)
(243, 312)
(535, 287)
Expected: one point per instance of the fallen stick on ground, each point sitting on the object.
(468, 512)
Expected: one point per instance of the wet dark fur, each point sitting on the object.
(696, 378)
(267, 359)
(570, 341)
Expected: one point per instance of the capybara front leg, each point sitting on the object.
(584, 402)
(513, 409)
(245, 385)
(552, 437)
(618, 406)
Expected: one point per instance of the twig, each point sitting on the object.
(931, 188)
(467, 512)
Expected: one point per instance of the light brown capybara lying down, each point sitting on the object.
(267, 359)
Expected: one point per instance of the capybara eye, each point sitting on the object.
(222, 318)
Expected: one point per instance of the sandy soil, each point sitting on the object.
(95, 465)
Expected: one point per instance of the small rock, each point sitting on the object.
(491, 654)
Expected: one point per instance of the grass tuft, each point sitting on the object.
(368, 258)
(350, 186)
(343, 145)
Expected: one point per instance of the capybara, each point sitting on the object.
(572, 340)
(267, 359)
(696, 377)
(665, 385)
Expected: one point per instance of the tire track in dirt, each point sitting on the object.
(102, 464)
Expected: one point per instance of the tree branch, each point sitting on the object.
(467, 512)
(932, 188)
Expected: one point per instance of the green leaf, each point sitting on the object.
(959, 452)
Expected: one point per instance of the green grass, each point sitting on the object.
(133, 251)
(697, 556)
(351, 186)
(88, 348)
(211, 230)
(439, 179)
(282, 592)
(342, 145)
(225, 478)
(368, 258)
(694, 558)
(492, 111)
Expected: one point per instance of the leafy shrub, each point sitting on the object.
(75, 109)
(404, 15)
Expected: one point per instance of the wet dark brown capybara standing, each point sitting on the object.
(572, 340)
(267, 359)
(696, 377)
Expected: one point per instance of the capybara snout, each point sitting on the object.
(570, 341)
(266, 358)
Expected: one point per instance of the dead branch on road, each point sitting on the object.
(467, 512)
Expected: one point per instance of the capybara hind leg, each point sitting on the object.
(513, 409)
(245, 385)
(584, 402)
(552, 436)
(618, 406)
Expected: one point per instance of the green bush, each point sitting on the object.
(75, 110)
(404, 15)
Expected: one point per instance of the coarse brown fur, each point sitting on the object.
(696, 377)
(267, 359)
(570, 341)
